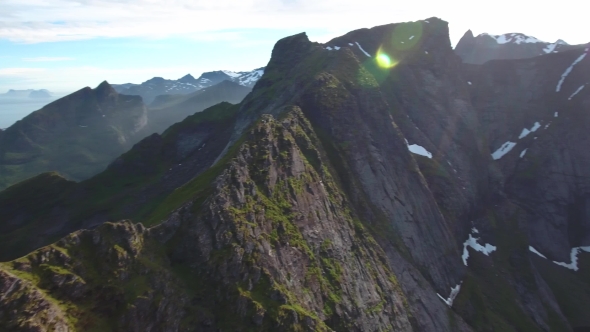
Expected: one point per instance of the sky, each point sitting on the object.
(65, 45)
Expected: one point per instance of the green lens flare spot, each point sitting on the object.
(383, 60)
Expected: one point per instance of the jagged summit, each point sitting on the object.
(517, 38)
(154, 80)
(485, 47)
(468, 34)
(104, 89)
(187, 78)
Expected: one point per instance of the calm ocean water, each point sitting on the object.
(12, 110)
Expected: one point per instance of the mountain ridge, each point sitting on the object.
(485, 47)
(156, 86)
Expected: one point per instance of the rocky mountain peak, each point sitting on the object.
(187, 79)
(485, 47)
(155, 80)
(105, 89)
(217, 76)
(289, 49)
(468, 35)
(561, 41)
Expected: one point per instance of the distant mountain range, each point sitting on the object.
(30, 93)
(485, 47)
(169, 109)
(156, 86)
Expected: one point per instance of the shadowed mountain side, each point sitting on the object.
(77, 135)
(35, 214)
(80, 134)
(169, 110)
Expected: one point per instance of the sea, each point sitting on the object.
(12, 110)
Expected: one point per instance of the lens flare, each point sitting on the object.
(384, 60)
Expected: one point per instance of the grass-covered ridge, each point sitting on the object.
(120, 274)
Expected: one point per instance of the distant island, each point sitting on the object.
(29, 93)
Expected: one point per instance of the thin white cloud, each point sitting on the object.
(20, 72)
(34, 21)
(47, 59)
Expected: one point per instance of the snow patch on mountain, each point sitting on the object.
(486, 249)
(232, 74)
(516, 38)
(362, 50)
(419, 150)
(504, 149)
(573, 265)
(577, 91)
(534, 251)
(454, 292)
(569, 70)
(550, 48)
(249, 78)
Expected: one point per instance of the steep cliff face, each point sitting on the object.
(536, 110)
(535, 115)
(352, 190)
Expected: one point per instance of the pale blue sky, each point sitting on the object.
(64, 45)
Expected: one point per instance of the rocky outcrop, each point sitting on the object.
(106, 279)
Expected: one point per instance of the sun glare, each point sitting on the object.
(384, 60)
